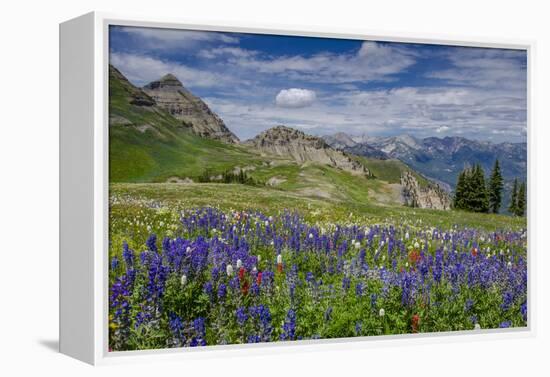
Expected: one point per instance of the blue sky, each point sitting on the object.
(323, 86)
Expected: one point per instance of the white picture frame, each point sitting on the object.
(84, 190)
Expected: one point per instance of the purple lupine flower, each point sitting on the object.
(222, 291)
(289, 326)
(359, 289)
(208, 288)
(151, 243)
(177, 329)
(114, 263)
(345, 283)
(241, 315)
(505, 324)
(507, 300)
(127, 255)
(373, 300)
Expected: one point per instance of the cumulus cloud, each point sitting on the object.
(442, 129)
(295, 98)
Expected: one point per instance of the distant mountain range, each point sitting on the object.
(440, 159)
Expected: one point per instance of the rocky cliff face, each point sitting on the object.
(170, 94)
(430, 196)
(288, 142)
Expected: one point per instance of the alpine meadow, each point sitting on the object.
(267, 188)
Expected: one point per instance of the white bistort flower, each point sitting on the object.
(183, 280)
(382, 312)
(279, 259)
(229, 270)
(239, 263)
(477, 326)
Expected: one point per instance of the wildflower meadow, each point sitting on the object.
(187, 277)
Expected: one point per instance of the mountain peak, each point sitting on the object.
(282, 135)
(289, 142)
(339, 140)
(169, 93)
(167, 82)
(169, 77)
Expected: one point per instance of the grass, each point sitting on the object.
(391, 170)
(229, 197)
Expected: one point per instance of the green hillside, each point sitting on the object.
(149, 145)
(390, 170)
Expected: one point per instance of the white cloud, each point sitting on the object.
(161, 38)
(141, 70)
(295, 98)
(423, 112)
(485, 68)
(226, 52)
(373, 62)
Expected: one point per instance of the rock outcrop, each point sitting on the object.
(430, 196)
(291, 143)
(170, 94)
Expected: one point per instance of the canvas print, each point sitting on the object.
(269, 188)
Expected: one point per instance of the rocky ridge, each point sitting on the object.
(169, 93)
(288, 142)
(431, 196)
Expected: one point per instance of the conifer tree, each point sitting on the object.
(479, 198)
(469, 188)
(521, 205)
(460, 191)
(514, 198)
(495, 188)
